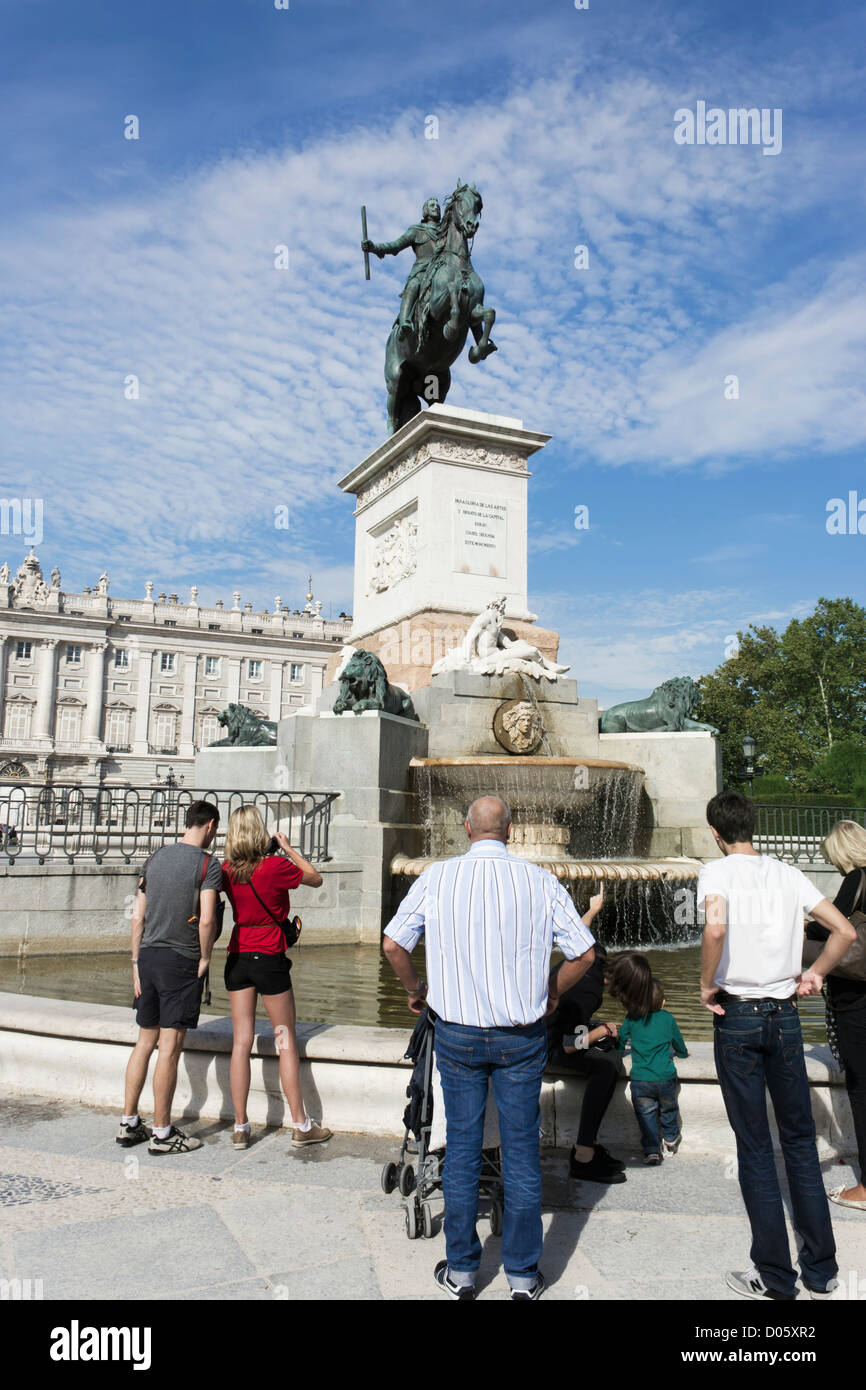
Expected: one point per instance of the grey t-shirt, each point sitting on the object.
(170, 882)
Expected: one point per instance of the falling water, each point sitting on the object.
(583, 819)
(531, 697)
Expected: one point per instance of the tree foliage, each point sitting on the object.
(800, 693)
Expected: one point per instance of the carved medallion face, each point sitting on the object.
(517, 727)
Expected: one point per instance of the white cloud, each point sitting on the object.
(260, 387)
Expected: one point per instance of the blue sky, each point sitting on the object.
(259, 387)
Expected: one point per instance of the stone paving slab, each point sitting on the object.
(93, 1220)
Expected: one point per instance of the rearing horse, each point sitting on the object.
(450, 303)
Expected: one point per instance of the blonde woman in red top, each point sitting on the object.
(257, 884)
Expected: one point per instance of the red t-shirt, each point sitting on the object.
(272, 879)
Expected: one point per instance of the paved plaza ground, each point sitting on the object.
(92, 1220)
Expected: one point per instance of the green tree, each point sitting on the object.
(797, 692)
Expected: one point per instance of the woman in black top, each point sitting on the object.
(845, 847)
(590, 1160)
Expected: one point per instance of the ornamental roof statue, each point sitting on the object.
(442, 301)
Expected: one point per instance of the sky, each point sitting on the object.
(701, 375)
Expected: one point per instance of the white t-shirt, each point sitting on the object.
(766, 903)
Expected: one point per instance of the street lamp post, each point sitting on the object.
(749, 749)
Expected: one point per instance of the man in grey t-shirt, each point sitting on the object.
(174, 927)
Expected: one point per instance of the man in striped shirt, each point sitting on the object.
(491, 921)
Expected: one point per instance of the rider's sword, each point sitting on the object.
(364, 234)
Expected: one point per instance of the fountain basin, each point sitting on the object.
(576, 870)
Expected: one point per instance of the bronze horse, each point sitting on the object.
(450, 303)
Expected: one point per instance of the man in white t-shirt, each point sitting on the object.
(751, 975)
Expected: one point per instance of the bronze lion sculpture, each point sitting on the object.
(245, 729)
(668, 709)
(364, 685)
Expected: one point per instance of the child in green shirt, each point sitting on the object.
(654, 1038)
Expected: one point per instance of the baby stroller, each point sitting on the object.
(418, 1123)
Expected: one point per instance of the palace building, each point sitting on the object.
(97, 690)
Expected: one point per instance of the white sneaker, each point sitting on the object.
(670, 1149)
(751, 1285)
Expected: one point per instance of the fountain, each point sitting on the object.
(457, 692)
(583, 819)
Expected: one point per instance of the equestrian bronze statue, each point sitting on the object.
(442, 301)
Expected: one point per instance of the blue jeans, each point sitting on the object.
(655, 1105)
(758, 1043)
(515, 1059)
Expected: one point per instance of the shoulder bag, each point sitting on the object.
(852, 966)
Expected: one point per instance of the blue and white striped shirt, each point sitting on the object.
(491, 921)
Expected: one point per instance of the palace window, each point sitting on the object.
(18, 716)
(296, 672)
(121, 659)
(166, 662)
(117, 727)
(211, 665)
(69, 724)
(210, 730)
(23, 650)
(166, 729)
(254, 670)
(213, 627)
(73, 655)
(169, 622)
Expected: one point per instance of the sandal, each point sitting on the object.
(836, 1196)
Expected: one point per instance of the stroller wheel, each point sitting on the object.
(389, 1177)
(412, 1225)
(496, 1217)
(427, 1220)
(406, 1180)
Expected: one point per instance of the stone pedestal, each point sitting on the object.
(409, 649)
(440, 531)
(683, 771)
(458, 709)
(364, 757)
(240, 769)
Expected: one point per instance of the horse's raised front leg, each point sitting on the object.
(483, 344)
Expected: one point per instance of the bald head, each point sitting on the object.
(488, 818)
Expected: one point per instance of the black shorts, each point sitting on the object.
(268, 973)
(170, 989)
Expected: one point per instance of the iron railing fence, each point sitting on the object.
(794, 832)
(125, 824)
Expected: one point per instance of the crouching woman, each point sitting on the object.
(257, 883)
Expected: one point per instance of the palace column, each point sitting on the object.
(317, 682)
(276, 705)
(3, 653)
(45, 691)
(142, 703)
(233, 684)
(95, 683)
(186, 748)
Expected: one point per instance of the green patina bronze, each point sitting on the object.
(442, 301)
(364, 685)
(245, 729)
(668, 709)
